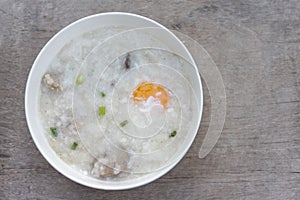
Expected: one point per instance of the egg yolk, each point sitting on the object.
(146, 89)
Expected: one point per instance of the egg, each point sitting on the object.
(151, 94)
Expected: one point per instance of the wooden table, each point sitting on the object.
(255, 44)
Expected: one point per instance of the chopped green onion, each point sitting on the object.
(101, 110)
(79, 79)
(74, 145)
(123, 123)
(103, 94)
(53, 131)
(173, 134)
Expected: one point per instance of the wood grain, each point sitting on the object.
(256, 45)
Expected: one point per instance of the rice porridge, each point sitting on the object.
(117, 117)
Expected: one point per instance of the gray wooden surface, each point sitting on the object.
(256, 45)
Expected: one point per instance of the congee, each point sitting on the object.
(118, 119)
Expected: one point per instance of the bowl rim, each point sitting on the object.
(155, 175)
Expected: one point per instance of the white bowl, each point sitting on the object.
(42, 62)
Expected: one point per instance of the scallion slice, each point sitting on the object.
(74, 145)
(101, 110)
(173, 134)
(53, 131)
(79, 79)
(123, 123)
